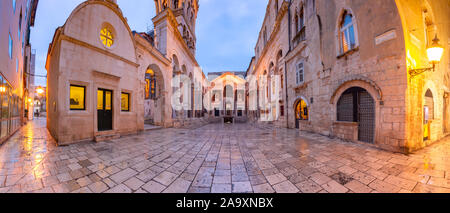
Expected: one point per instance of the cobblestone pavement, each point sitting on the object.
(216, 158)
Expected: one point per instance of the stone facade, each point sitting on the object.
(78, 57)
(337, 68)
(386, 46)
(226, 97)
(16, 18)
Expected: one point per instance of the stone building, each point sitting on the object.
(16, 18)
(226, 97)
(105, 80)
(353, 69)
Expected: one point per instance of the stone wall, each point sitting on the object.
(346, 130)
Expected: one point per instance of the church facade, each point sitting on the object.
(105, 80)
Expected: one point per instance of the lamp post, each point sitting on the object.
(434, 54)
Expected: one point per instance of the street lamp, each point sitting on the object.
(40, 91)
(434, 54)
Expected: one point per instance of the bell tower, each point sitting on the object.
(185, 13)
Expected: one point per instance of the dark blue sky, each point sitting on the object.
(227, 30)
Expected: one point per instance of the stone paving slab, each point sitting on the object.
(216, 158)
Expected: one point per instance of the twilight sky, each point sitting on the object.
(226, 30)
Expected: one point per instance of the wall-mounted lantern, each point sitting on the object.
(434, 54)
(40, 91)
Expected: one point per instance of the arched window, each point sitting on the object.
(347, 36)
(150, 85)
(301, 20)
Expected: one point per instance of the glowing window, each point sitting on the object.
(77, 97)
(100, 100)
(301, 111)
(107, 37)
(150, 85)
(125, 102)
(108, 100)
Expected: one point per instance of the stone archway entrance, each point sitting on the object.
(154, 96)
(428, 115)
(301, 112)
(357, 105)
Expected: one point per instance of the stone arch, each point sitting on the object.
(191, 96)
(272, 70)
(175, 64)
(299, 110)
(159, 101)
(184, 70)
(298, 98)
(371, 88)
(431, 87)
(357, 81)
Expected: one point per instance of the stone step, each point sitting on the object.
(148, 128)
(106, 137)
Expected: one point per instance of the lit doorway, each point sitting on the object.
(104, 109)
(428, 115)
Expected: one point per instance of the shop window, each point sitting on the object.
(125, 102)
(77, 97)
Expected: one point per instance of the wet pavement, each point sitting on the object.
(216, 158)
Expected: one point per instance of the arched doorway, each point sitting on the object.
(154, 96)
(228, 93)
(357, 105)
(301, 112)
(428, 115)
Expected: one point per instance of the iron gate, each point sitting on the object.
(366, 117)
(345, 108)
